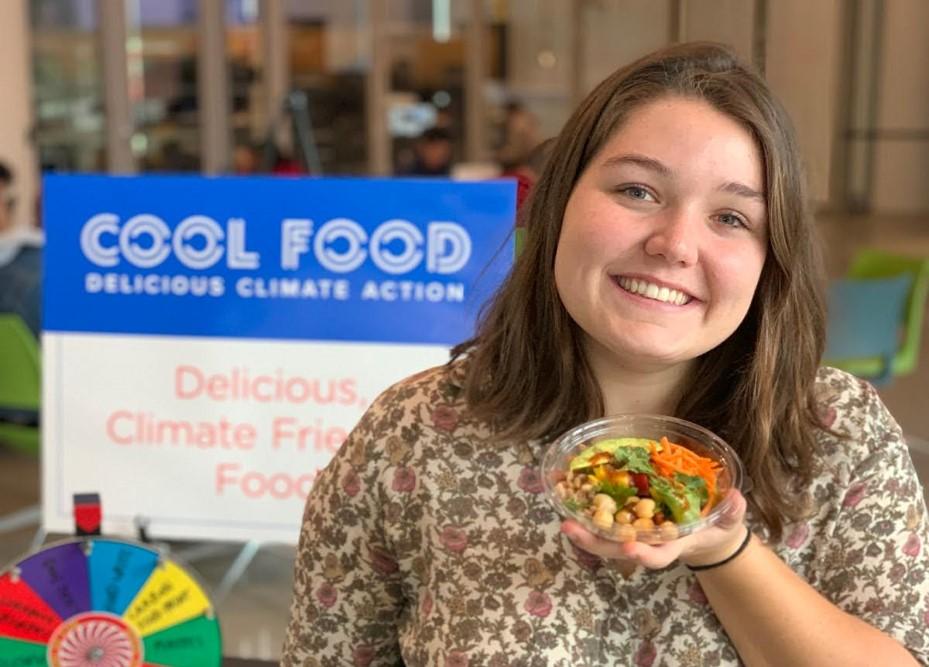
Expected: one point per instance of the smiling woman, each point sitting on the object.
(656, 212)
(670, 267)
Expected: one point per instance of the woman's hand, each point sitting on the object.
(706, 546)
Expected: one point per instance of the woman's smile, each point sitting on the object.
(653, 291)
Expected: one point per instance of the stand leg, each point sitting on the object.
(28, 516)
(38, 539)
(236, 570)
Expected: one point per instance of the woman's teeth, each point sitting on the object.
(652, 291)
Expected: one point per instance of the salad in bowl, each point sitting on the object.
(650, 478)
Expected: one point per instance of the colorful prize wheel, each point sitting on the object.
(99, 602)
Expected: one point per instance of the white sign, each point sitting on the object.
(214, 439)
(209, 343)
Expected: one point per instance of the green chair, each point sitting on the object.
(878, 266)
(20, 382)
(519, 240)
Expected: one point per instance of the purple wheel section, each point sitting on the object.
(59, 576)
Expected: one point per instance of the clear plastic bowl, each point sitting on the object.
(557, 458)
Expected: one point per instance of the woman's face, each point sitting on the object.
(664, 236)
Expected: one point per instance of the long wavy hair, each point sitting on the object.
(527, 373)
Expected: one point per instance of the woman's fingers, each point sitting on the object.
(735, 514)
(589, 542)
(654, 557)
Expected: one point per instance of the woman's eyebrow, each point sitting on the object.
(742, 190)
(638, 160)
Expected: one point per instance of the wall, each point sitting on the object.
(901, 168)
(534, 27)
(616, 33)
(726, 21)
(802, 66)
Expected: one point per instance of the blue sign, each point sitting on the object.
(378, 260)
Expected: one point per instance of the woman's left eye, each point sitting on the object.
(732, 220)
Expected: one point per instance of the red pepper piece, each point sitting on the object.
(640, 480)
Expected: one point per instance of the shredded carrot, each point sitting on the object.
(673, 458)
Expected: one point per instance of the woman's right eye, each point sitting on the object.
(636, 192)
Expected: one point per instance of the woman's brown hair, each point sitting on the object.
(527, 373)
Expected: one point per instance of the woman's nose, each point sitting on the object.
(674, 239)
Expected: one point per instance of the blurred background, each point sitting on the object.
(460, 88)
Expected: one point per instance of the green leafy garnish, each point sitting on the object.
(683, 500)
(695, 485)
(634, 459)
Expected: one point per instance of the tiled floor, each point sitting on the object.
(254, 614)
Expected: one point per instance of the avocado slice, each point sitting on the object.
(610, 445)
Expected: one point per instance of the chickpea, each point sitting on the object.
(561, 490)
(586, 488)
(624, 532)
(624, 517)
(645, 508)
(631, 501)
(604, 502)
(643, 523)
(603, 519)
(668, 531)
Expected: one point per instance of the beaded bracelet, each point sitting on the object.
(710, 566)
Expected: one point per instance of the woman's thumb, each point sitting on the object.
(734, 513)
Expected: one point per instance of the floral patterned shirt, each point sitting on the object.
(428, 542)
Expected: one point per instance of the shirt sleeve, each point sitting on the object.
(347, 593)
(876, 566)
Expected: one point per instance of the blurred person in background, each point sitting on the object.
(20, 275)
(527, 172)
(175, 158)
(20, 260)
(245, 160)
(285, 164)
(7, 200)
(432, 154)
(520, 136)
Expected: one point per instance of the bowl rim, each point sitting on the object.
(591, 429)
